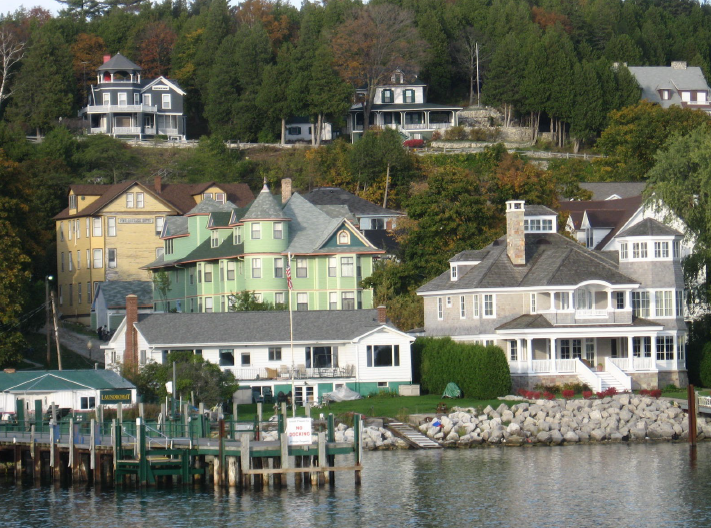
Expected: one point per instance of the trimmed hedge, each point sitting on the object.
(481, 372)
(705, 367)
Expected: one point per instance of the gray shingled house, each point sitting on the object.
(109, 306)
(562, 312)
(675, 85)
(123, 104)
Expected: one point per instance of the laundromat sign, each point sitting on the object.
(115, 396)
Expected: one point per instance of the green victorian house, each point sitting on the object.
(218, 249)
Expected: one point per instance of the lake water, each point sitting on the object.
(617, 485)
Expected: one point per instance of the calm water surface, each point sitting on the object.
(574, 486)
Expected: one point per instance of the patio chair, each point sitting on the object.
(268, 395)
(301, 371)
(283, 371)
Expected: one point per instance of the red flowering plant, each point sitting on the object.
(568, 394)
(587, 394)
(414, 143)
(549, 395)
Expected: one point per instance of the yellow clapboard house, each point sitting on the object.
(107, 232)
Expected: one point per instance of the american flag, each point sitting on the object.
(288, 277)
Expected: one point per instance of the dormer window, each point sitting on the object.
(666, 95)
(686, 97)
(537, 225)
(453, 271)
(661, 250)
(624, 254)
(344, 238)
(677, 249)
(72, 201)
(408, 96)
(220, 198)
(207, 196)
(214, 239)
(388, 96)
(639, 250)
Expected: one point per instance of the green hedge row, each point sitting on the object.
(481, 372)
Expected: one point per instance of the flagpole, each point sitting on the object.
(291, 333)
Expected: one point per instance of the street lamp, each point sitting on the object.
(89, 345)
(47, 308)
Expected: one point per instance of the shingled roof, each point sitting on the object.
(115, 293)
(551, 260)
(57, 380)
(256, 327)
(649, 227)
(611, 214)
(180, 196)
(356, 205)
(119, 62)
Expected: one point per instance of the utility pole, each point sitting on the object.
(56, 332)
(476, 47)
(48, 325)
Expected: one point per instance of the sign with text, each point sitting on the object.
(298, 431)
(135, 220)
(109, 397)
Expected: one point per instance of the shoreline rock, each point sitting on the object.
(621, 418)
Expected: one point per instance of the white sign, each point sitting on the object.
(135, 220)
(298, 431)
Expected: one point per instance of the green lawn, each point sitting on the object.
(398, 407)
(37, 352)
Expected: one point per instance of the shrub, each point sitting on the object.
(553, 389)
(587, 394)
(414, 143)
(568, 394)
(481, 372)
(654, 393)
(536, 395)
(577, 387)
(671, 388)
(477, 134)
(436, 135)
(549, 396)
(455, 133)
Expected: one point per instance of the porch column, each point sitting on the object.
(529, 350)
(609, 300)
(553, 355)
(427, 120)
(630, 352)
(454, 118)
(654, 351)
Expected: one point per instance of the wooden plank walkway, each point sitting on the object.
(412, 436)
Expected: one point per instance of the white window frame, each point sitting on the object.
(256, 268)
(98, 259)
(440, 308)
(475, 305)
(278, 230)
(533, 303)
(129, 201)
(347, 267)
(256, 230)
(462, 307)
(96, 226)
(624, 254)
(140, 200)
(214, 238)
(661, 249)
(111, 263)
(166, 101)
(344, 238)
(110, 226)
(489, 312)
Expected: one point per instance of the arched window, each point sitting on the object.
(344, 237)
(584, 299)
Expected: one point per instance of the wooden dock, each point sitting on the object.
(122, 455)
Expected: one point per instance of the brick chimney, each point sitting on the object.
(107, 58)
(285, 190)
(382, 315)
(515, 236)
(130, 356)
(158, 184)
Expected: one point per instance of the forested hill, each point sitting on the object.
(247, 66)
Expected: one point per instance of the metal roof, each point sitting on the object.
(58, 380)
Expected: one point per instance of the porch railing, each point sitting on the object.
(621, 363)
(587, 375)
(622, 378)
(584, 314)
(255, 373)
(126, 130)
(565, 366)
(542, 365)
(646, 363)
(440, 125)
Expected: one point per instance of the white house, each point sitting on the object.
(563, 312)
(675, 85)
(402, 104)
(358, 349)
(109, 306)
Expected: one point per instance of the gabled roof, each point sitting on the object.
(115, 293)
(56, 380)
(609, 190)
(551, 260)
(264, 207)
(174, 85)
(175, 226)
(179, 196)
(256, 327)
(119, 62)
(654, 78)
(611, 214)
(538, 210)
(649, 227)
(356, 205)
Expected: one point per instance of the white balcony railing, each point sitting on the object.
(646, 363)
(98, 130)
(587, 314)
(149, 130)
(542, 365)
(168, 131)
(105, 109)
(621, 363)
(126, 130)
(415, 126)
(440, 125)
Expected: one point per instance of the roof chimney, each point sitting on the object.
(382, 315)
(107, 58)
(285, 190)
(130, 355)
(158, 184)
(678, 65)
(515, 236)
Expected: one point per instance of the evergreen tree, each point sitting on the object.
(45, 86)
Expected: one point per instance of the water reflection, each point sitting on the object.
(594, 485)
